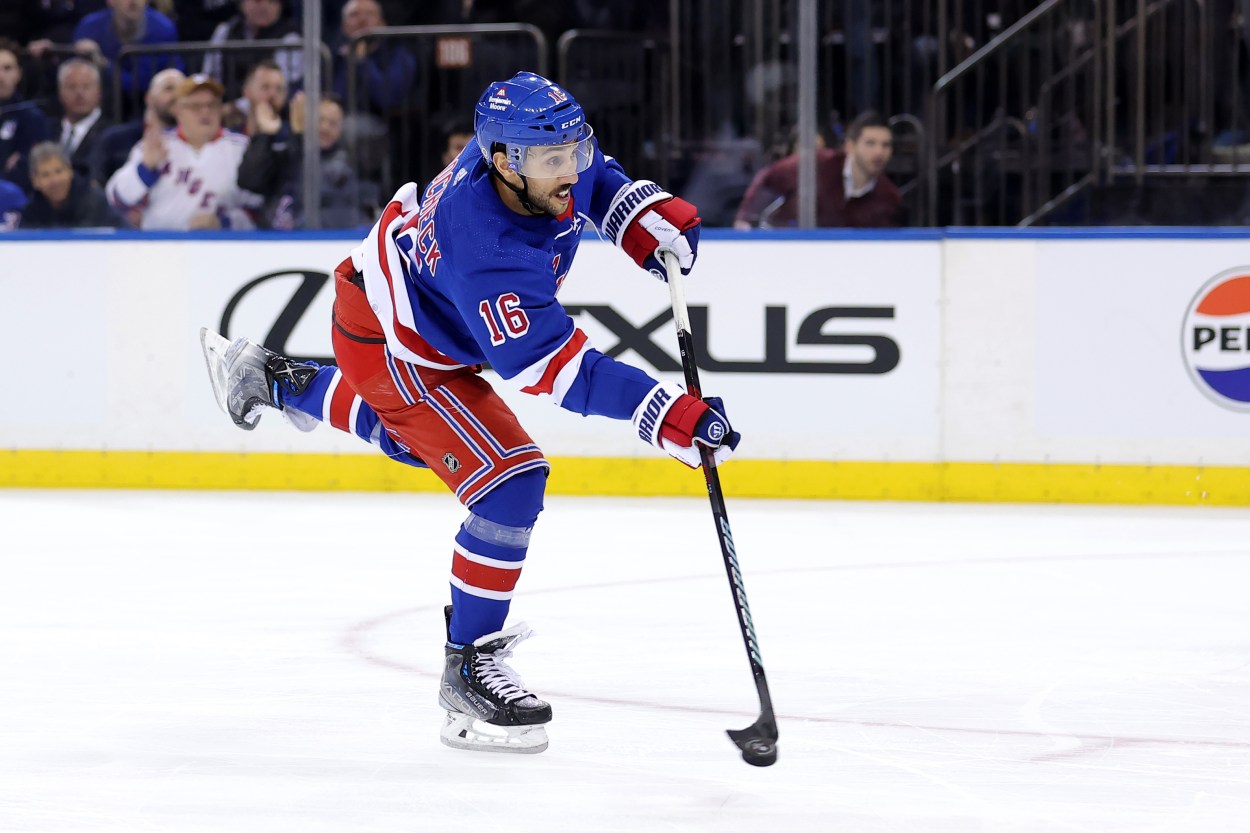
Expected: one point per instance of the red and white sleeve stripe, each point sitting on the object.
(554, 374)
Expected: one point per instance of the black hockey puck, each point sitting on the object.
(760, 753)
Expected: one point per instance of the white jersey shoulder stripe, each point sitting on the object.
(381, 263)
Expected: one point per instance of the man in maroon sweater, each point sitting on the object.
(852, 189)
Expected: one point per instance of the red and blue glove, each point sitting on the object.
(678, 423)
(644, 220)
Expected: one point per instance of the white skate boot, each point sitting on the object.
(247, 378)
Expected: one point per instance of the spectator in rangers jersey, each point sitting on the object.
(466, 275)
(852, 189)
(186, 178)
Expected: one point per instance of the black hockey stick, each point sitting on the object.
(758, 741)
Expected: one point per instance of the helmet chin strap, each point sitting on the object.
(522, 193)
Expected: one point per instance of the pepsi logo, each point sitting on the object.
(1215, 339)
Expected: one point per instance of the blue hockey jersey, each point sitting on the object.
(459, 279)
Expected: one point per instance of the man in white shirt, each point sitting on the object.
(81, 123)
(185, 178)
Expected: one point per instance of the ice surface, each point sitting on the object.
(256, 663)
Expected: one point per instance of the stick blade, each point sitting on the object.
(758, 742)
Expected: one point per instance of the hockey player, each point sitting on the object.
(470, 274)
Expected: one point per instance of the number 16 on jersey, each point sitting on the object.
(504, 318)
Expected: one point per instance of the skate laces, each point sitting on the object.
(496, 675)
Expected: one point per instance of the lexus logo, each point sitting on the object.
(884, 353)
(311, 283)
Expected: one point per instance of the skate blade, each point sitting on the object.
(462, 731)
(215, 360)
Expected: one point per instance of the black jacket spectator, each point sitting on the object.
(22, 125)
(84, 154)
(113, 149)
(272, 166)
(87, 207)
(82, 121)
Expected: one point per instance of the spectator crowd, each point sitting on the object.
(190, 114)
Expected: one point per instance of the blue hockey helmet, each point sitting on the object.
(542, 128)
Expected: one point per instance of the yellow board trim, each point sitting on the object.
(644, 477)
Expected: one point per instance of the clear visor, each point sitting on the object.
(554, 161)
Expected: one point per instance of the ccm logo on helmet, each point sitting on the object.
(566, 125)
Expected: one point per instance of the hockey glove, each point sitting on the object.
(676, 422)
(644, 220)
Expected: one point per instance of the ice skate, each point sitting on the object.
(247, 378)
(488, 707)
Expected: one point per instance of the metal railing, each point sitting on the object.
(622, 82)
(736, 79)
(143, 61)
(1005, 111)
(1180, 82)
(981, 161)
(40, 74)
(1136, 95)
